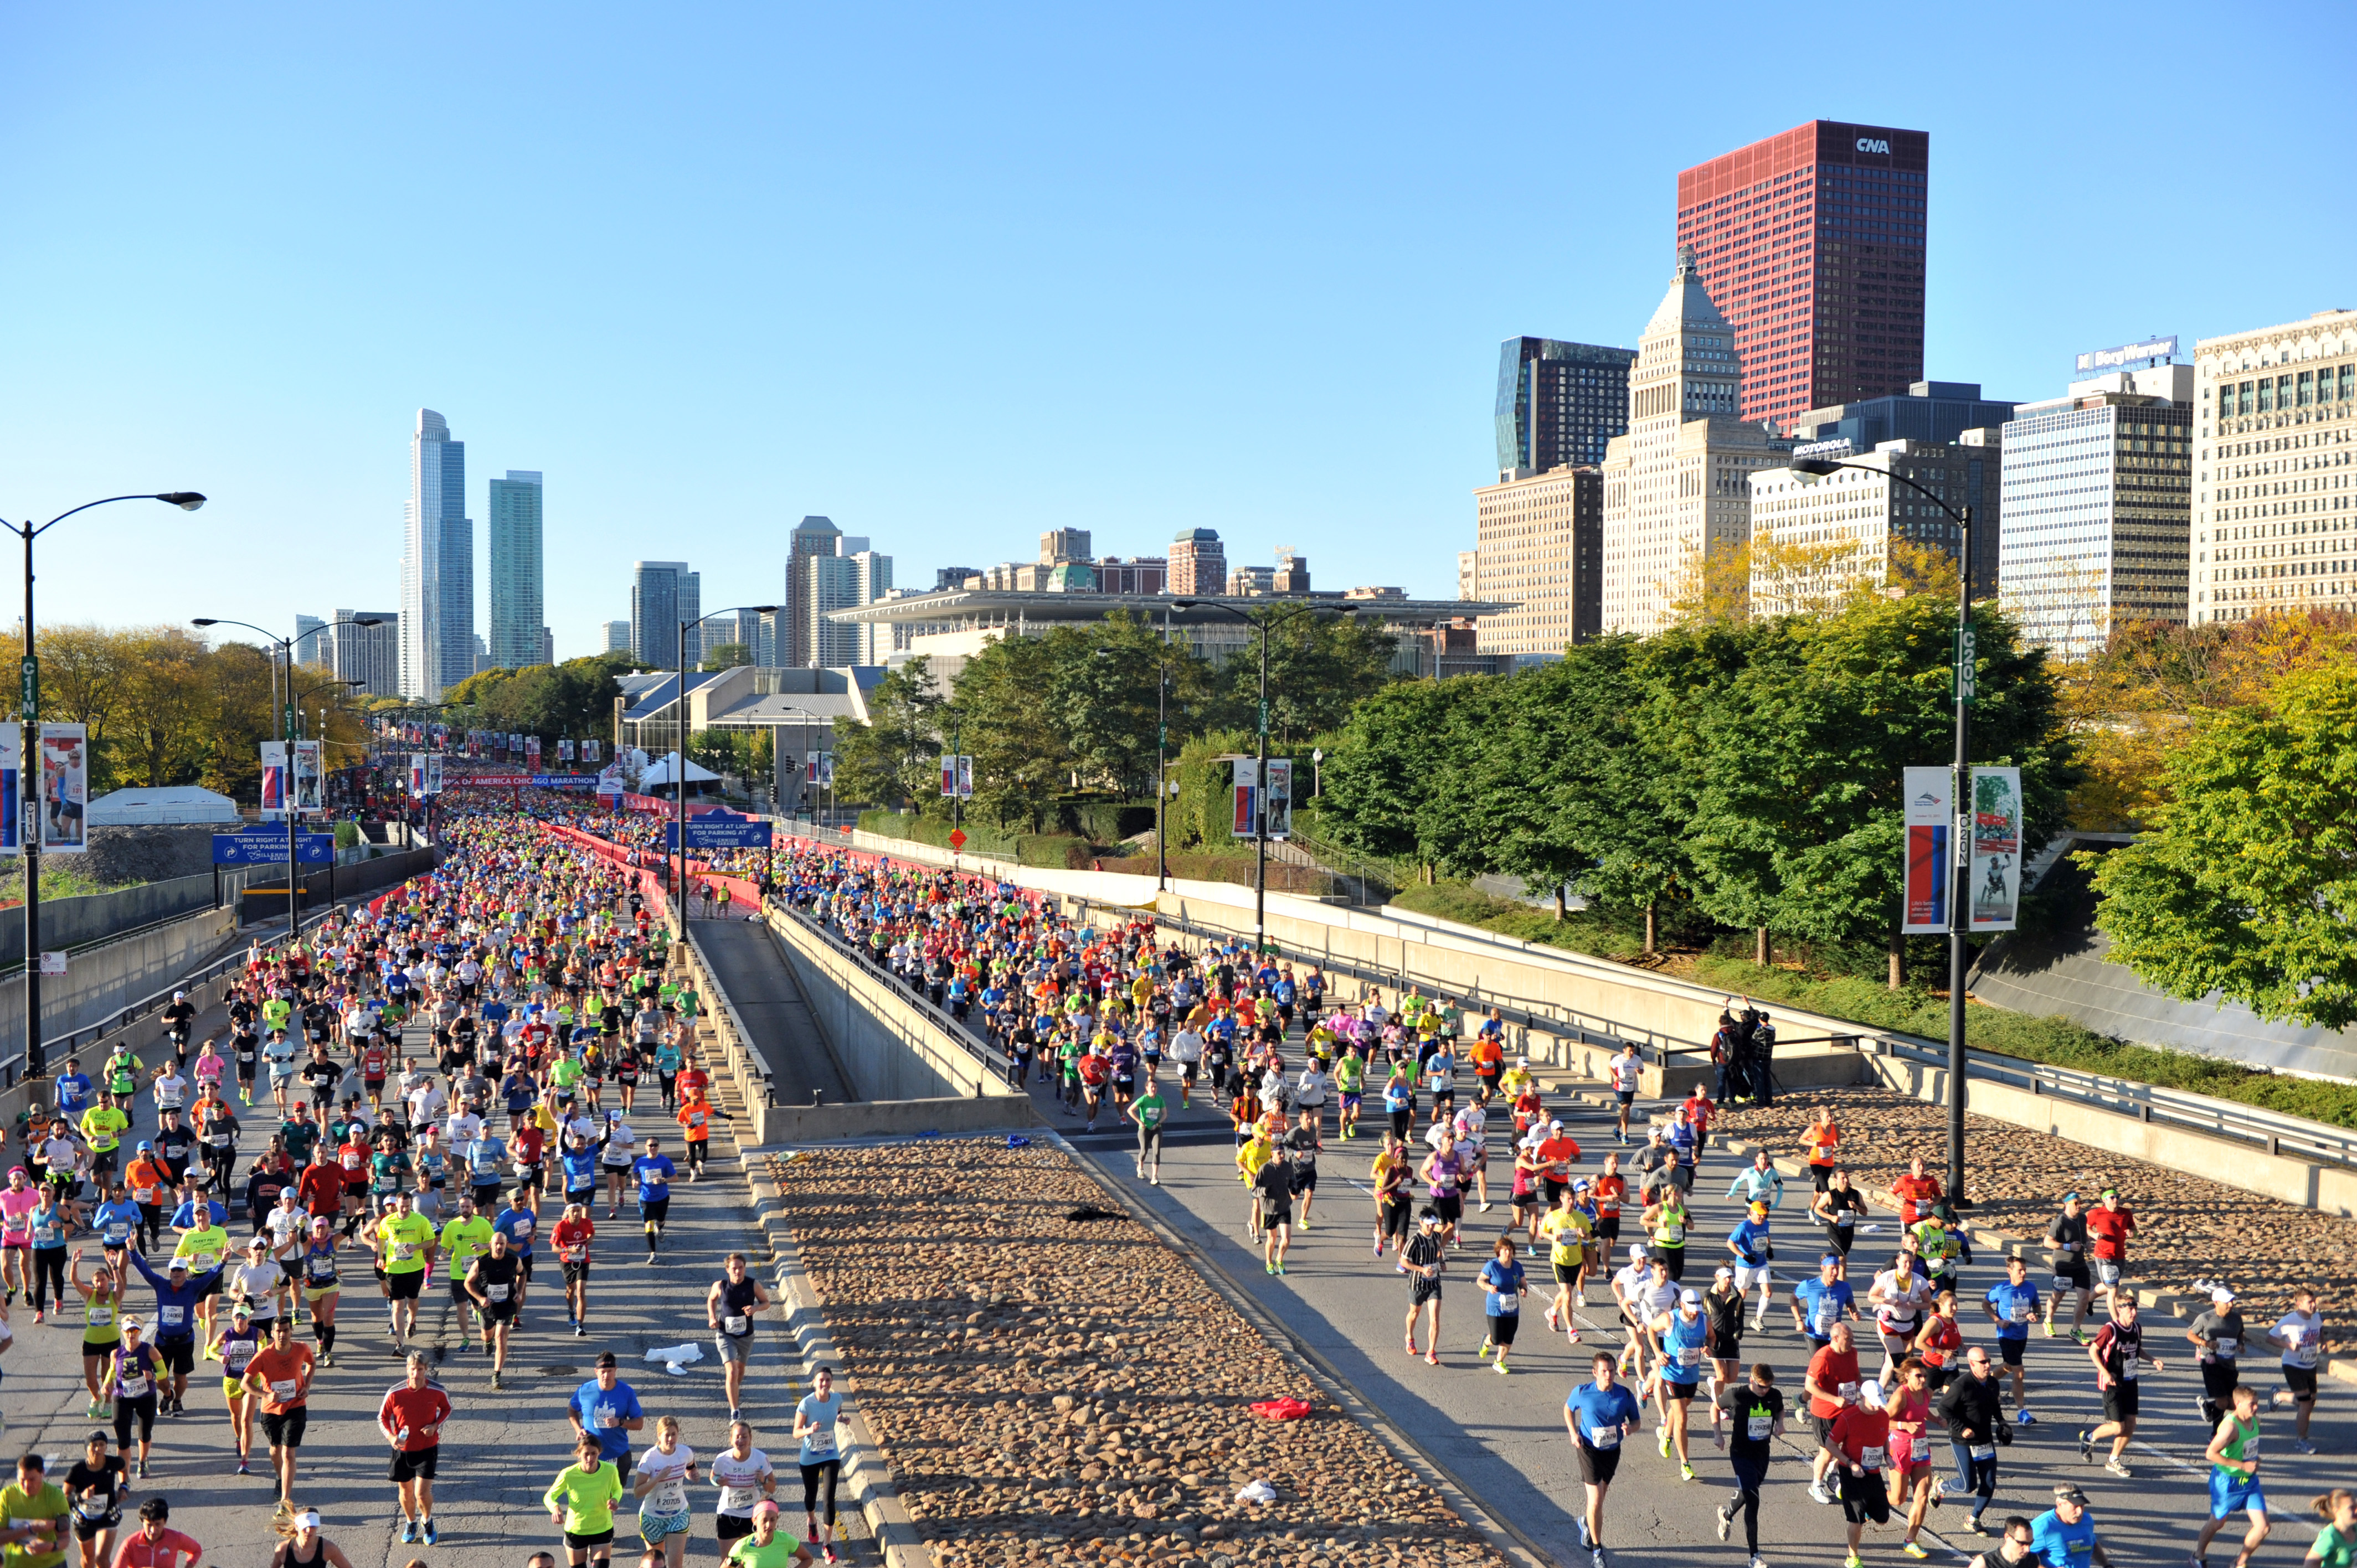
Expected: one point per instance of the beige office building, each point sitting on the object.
(1816, 540)
(1541, 547)
(2275, 489)
(1676, 488)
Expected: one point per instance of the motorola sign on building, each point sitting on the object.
(2098, 484)
(2275, 428)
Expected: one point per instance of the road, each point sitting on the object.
(499, 1450)
(1504, 1437)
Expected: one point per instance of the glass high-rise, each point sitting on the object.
(516, 606)
(438, 565)
(1558, 403)
(663, 593)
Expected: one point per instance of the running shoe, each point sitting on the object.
(2117, 1469)
(1686, 1471)
(1817, 1493)
(2302, 1445)
(2196, 1559)
(1975, 1525)
(1303, 1224)
(2023, 1418)
(1551, 1321)
(1596, 1558)
(409, 1530)
(432, 1534)
(1725, 1513)
(244, 1468)
(1759, 1562)
(38, 1317)
(1912, 1549)
(143, 1469)
(1411, 1343)
(1853, 1561)
(2050, 1331)
(579, 1332)
(1500, 1368)
(1432, 1357)
(2086, 1448)
(1585, 1540)
(1662, 1435)
(1481, 1351)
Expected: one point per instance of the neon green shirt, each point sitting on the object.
(405, 1241)
(463, 1240)
(587, 1499)
(20, 1507)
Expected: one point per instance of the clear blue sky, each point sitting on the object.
(955, 275)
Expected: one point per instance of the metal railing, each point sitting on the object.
(2274, 1132)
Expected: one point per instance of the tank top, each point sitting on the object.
(98, 1325)
(1670, 1226)
(737, 1304)
(2244, 1445)
(237, 1350)
(1682, 1346)
(319, 1268)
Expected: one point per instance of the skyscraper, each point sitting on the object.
(813, 537)
(1558, 403)
(871, 580)
(662, 595)
(1812, 244)
(618, 636)
(515, 522)
(1063, 544)
(438, 565)
(1198, 564)
(310, 640)
(370, 654)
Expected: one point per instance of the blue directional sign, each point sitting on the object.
(720, 829)
(269, 848)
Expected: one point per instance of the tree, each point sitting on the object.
(163, 716)
(1393, 763)
(2244, 888)
(891, 760)
(1022, 760)
(1318, 668)
(726, 656)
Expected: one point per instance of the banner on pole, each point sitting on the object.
(949, 776)
(1247, 781)
(310, 782)
(564, 750)
(965, 779)
(274, 778)
(1996, 848)
(1929, 818)
(1280, 797)
(810, 767)
(12, 788)
(434, 773)
(591, 750)
(65, 788)
(417, 775)
(826, 771)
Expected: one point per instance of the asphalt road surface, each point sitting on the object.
(499, 1450)
(1503, 1436)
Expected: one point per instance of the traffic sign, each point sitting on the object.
(1966, 663)
(957, 838)
(251, 848)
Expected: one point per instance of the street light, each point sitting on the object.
(1960, 906)
(30, 704)
(679, 774)
(1260, 778)
(285, 645)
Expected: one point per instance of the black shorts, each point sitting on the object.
(576, 1274)
(1450, 1206)
(1421, 1290)
(654, 1210)
(2075, 1275)
(597, 1538)
(405, 1286)
(1865, 1500)
(2120, 1401)
(1608, 1228)
(1305, 1178)
(1822, 1425)
(2011, 1349)
(284, 1429)
(179, 1355)
(88, 1528)
(1626, 1096)
(1503, 1326)
(2301, 1381)
(1567, 1273)
(408, 1467)
(1393, 1216)
(1273, 1215)
(1598, 1466)
(730, 1526)
(1722, 1346)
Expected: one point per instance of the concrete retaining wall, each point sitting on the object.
(891, 1049)
(901, 1117)
(76, 922)
(104, 980)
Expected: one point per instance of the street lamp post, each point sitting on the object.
(679, 774)
(1260, 776)
(286, 719)
(28, 821)
(1960, 901)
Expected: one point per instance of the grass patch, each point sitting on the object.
(57, 882)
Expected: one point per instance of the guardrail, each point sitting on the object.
(974, 1045)
(2272, 1131)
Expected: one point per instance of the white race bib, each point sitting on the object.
(820, 1442)
(1604, 1436)
(2227, 1346)
(497, 1293)
(1850, 1393)
(735, 1324)
(1982, 1450)
(2019, 1311)
(1874, 1458)
(737, 1500)
(2305, 1355)
(1757, 1428)
(281, 1388)
(172, 1315)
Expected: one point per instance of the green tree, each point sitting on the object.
(1385, 777)
(1319, 669)
(893, 759)
(1022, 758)
(2246, 886)
(726, 656)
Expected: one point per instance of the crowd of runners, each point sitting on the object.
(1123, 1026)
(424, 1098)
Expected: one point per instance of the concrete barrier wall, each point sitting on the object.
(76, 922)
(896, 1118)
(891, 1049)
(104, 980)
(726, 1044)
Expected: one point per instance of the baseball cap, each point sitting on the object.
(1554, 1125)
(1724, 1272)
(1636, 1251)
(1579, 1184)
(1759, 1207)
(2070, 1197)
(145, 1148)
(2067, 1493)
(1692, 1298)
(2222, 1295)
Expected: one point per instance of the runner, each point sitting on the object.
(1909, 1407)
(1567, 1233)
(573, 1238)
(2217, 1338)
(32, 1514)
(1394, 1202)
(1754, 1249)
(581, 1500)
(1426, 1255)
(102, 1310)
(2336, 1543)
(2300, 1336)
(2233, 1455)
(654, 1171)
(743, 1475)
(2012, 1306)
(1838, 1207)
(2064, 1535)
(1148, 1110)
(281, 1374)
(1833, 1386)
(1757, 1409)
(1504, 1285)
(2117, 1350)
(1599, 1414)
(664, 1473)
(734, 1299)
(1857, 1446)
(1722, 1306)
(403, 1241)
(1273, 1198)
(235, 1348)
(2110, 1223)
(607, 1410)
(2066, 1244)
(1627, 1076)
(768, 1546)
(155, 1544)
(94, 1489)
(817, 1416)
(411, 1417)
(1682, 1333)
(1823, 1140)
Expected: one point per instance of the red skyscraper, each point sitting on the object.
(1812, 244)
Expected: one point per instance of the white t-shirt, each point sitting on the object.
(619, 1141)
(669, 1495)
(1624, 1073)
(739, 1480)
(256, 1283)
(2303, 1335)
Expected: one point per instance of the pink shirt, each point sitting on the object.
(208, 1069)
(16, 1208)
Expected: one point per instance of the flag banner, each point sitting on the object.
(591, 751)
(948, 775)
(1280, 798)
(965, 778)
(1996, 848)
(532, 750)
(1247, 781)
(434, 773)
(1929, 818)
(417, 775)
(810, 767)
(12, 781)
(826, 771)
(310, 780)
(564, 750)
(65, 788)
(274, 778)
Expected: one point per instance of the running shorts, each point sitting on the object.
(1598, 1466)
(405, 1286)
(2231, 1494)
(1503, 1326)
(285, 1428)
(1865, 1498)
(408, 1467)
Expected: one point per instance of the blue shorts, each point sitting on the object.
(2231, 1494)
(1350, 1099)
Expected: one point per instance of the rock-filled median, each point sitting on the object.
(1055, 1389)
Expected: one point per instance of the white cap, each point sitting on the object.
(1692, 1298)
(1636, 1251)
(1556, 1125)
(2222, 1295)
(307, 1519)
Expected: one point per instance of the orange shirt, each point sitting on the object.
(1824, 1143)
(1608, 1192)
(1912, 1189)
(148, 1180)
(286, 1373)
(1488, 1054)
(695, 1115)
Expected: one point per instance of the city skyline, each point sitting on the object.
(183, 296)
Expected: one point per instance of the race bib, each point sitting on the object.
(2226, 1346)
(736, 1323)
(1757, 1428)
(1982, 1450)
(820, 1442)
(132, 1385)
(737, 1500)
(2018, 1311)
(403, 1251)
(1604, 1436)
(93, 1508)
(1850, 1393)
(2128, 1369)
(281, 1388)
(172, 1315)
(497, 1293)
(1874, 1458)
(669, 1496)
(2305, 1355)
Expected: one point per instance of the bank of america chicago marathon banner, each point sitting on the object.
(1994, 874)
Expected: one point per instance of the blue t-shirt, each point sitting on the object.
(1750, 1238)
(2060, 1545)
(1503, 1281)
(73, 1093)
(818, 1443)
(2015, 1304)
(517, 1225)
(597, 1406)
(115, 1222)
(655, 1172)
(580, 1169)
(1601, 1413)
(1681, 1349)
(1822, 1305)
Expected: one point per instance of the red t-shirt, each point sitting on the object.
(1698, 1109)
(1554, 1152)
(1912, 1189)
(321, 1189)
(1608, 1191)
(1941, 1338)
(1831, 1368)
(2110, 1227)
(422, 1410)
(694, 1082)
(1862, 1435)
(571, 1240)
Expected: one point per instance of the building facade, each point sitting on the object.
(1927, 410)
(369, 654)
(813, 537)
(2098, 507)
(663, 593)
(438, 565)
(1540, 549)
(1677, 496)
(1198, 564)
(517, 611)
(1137, 574)
(1063, 544)
(1559, 402)
(310, 640)
(1816, 539)
(1812, 243)
(871, 579)
(2275, 492)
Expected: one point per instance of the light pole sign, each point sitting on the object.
(1929, 819)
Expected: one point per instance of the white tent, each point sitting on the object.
(153, 807)
(659, 773)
